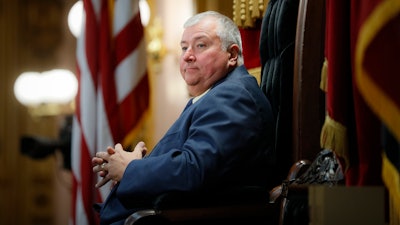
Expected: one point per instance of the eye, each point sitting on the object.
(201, 45)
(183, 48)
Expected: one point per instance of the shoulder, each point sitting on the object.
(240, 78)
(239, 83)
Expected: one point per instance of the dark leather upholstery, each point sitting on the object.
(277, 43)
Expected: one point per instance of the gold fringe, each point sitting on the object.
(334, 136)
(324, 76)
(256, 72)
(391, 179)
(247, 12)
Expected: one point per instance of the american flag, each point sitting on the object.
(113, 94)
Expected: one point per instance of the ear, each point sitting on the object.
(234, 54)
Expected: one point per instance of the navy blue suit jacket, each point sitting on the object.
(226, 138)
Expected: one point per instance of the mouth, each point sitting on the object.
(187, 69)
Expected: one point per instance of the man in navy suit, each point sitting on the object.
(224, 138)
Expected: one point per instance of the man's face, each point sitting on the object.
(203, 62)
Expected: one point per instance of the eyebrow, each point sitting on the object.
(196, 38)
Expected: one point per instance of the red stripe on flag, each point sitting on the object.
(107, 67)
(91, 41)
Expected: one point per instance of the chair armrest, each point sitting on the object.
(297, 169)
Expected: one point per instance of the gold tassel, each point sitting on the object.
(249, 21)
(324, 76)
(256, 72)
(391, 179)
(334, 137)
(247, 12)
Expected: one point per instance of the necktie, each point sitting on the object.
(190, 102)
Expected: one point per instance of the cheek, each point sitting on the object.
(212, 63)
(181, 66)
(216, 57)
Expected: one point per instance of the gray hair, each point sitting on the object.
(227, 31)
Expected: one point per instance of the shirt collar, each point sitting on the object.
(195, 99)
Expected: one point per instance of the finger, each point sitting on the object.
(99, 168)
(103, 182)
(97, 161)
(141, 144)
(119, 147)
(140, 148)
(102, 173)
(96, 168)
(113, 184)
(110, 150)
(103, 155)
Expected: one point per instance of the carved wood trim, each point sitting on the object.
(308, 99)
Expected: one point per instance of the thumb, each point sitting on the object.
(140, 148)
(110, 150)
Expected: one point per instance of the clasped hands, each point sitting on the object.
(111, 164)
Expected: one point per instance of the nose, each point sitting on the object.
(188, 55)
